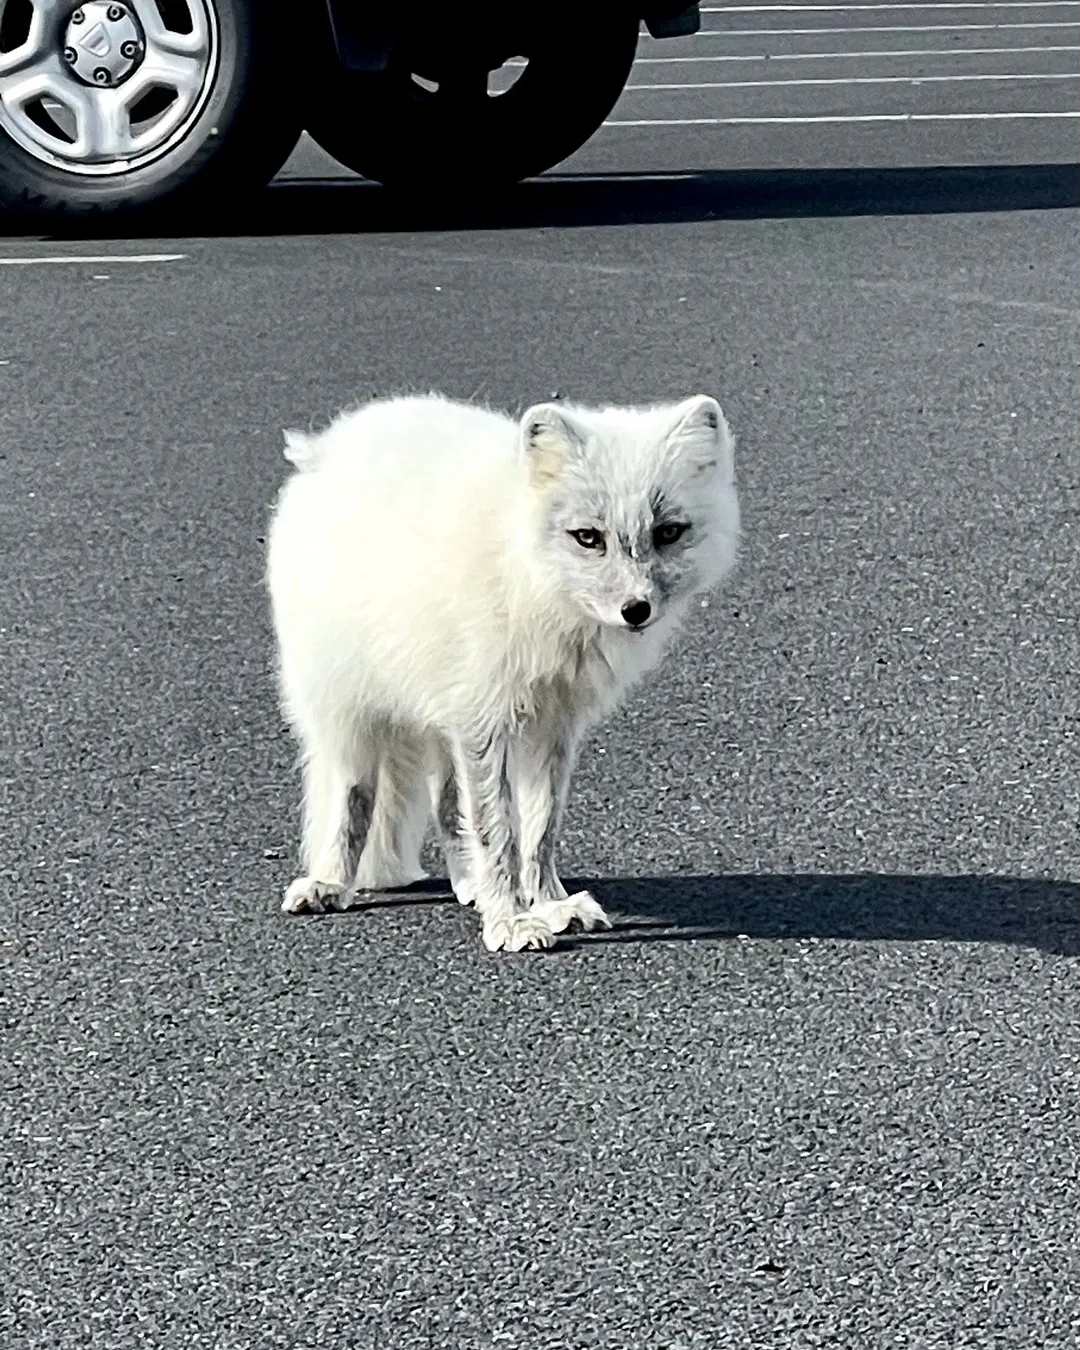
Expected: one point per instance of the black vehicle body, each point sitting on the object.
(113, 106)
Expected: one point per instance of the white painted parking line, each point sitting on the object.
(92, 259)
(855, 117)
(848, 56)
(853, 79)
(884, 28)
(913, 4)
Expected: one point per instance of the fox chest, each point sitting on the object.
(572, 688)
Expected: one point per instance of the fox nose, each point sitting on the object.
(636, 612)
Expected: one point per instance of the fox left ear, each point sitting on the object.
(701, 432)
(549, 438)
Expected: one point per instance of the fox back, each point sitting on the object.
(428, 555)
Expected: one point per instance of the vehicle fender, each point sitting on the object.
(364, 34)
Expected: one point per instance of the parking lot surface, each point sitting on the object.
(819, 1086)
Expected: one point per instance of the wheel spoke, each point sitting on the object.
(41, 40)
(44, 76)
(170, 70)
(104, 131)
(101, 120)
(164, 40)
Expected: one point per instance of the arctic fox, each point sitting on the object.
(457, 597)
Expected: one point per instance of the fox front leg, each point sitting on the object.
(544, 764)
(481, 770)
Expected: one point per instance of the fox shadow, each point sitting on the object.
(1043, 914)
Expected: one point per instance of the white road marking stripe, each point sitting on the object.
(860, 117)
(847, 56)
(914, 4)
(879, 28)
(93, 258)
(854, 79)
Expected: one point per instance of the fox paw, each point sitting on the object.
(581, 908)
(307, 895)
(518, 932)
(463, 891)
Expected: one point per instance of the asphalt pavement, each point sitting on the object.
(820, 1087)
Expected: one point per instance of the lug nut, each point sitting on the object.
(101, 76)
(129, 50)
(115, 12)
(70, 55)
(78, 17)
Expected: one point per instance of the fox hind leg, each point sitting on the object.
(399, 818)
(337, 816)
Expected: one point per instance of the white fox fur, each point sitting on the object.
(453, 594)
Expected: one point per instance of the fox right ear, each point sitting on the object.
(701, 433)
(549, 438)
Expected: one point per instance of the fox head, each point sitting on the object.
(637, 507)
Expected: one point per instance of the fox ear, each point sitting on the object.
(549, 437)
(701, 433)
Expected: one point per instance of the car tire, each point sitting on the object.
(394, 127)
(199, 116)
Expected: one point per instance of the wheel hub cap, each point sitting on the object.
(103, 43)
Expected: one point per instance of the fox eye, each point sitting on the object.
(588, 538)
(670, 532)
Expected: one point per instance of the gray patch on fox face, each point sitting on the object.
(673, 562)
(632, 566)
